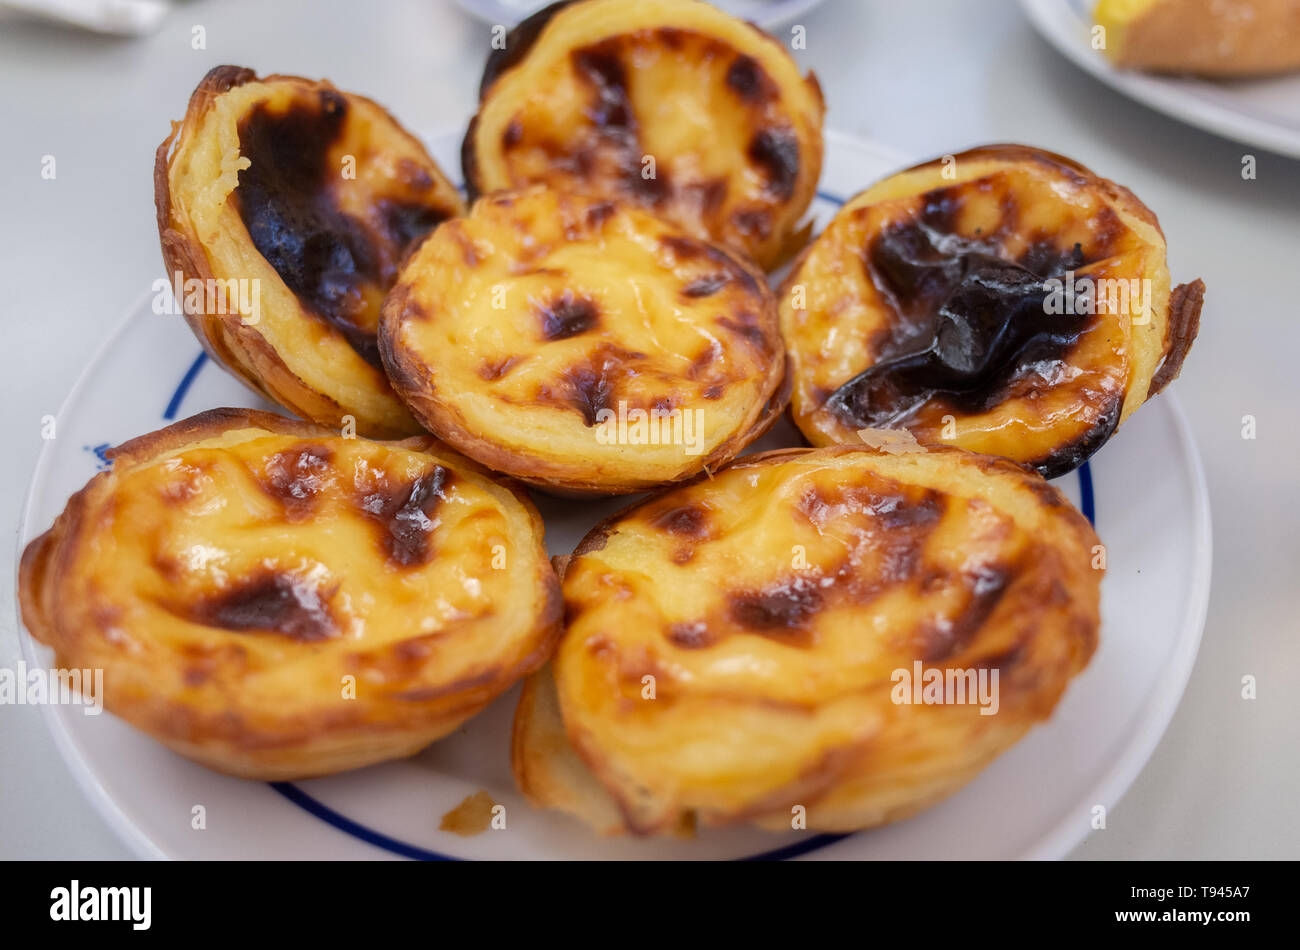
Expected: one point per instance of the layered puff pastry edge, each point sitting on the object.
(671, 104)
(312, 197)
(277, 602)
(732, 646)
(1005, 300)
(582, 344)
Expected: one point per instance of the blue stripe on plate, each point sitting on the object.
(1087, 502)
(183, 387)
(355, 829)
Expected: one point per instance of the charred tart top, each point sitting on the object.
(232, 569)
(771, 605)
(672, 104)
(535, 333)
(317, 195)
(949, 299)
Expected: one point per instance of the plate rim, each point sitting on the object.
(495, 12)
(1157, 711)
(1162, 704)
(1054, 21)
(126, 831)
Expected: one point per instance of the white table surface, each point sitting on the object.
(923, 76)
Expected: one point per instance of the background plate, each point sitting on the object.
(1263, 112)
(766, 13)
(1146, 487)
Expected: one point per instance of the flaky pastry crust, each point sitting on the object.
(583, 345)
(672, 104)
(300, 201)
(1005, 300)
(733, 647)
(277, 602)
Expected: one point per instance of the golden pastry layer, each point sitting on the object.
(736, 648)
(583, 345)
(299, 201)
(672, 104)
(277, 602)
(1005, 300)
(1208, 37)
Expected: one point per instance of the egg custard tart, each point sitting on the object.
(582, 344)
(285, 207)
(276, 602)
(1005, 300)
(1206, 37)
(672, 104)
(824, 638)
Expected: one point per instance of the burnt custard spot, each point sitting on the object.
(693, 635)
(1066, 459)
(411, 174)
(723, 270)
(672, 37)
(755, 222)
(711, 354)
(902, 526)
(683, 248)
(601, 67)
(295, 477)
(587, 387)
(897, 512)
(319, 252)
(285, 199)
(947, 636)
(706, 286)
(895, 522)
(780, 610)
(409, 222)
(776, 152)
(568, 316)
(746, 326)
(599, 213)
(588, 391)
(653, 190)
(708, 196)
(690, 521)
(513, 134)
(269, 602)
(407, 515)
(747, 79)
(978, 319)
(492, 370)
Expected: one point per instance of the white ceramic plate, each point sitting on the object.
(1146, 488)
(766, 13)
(1263, 112)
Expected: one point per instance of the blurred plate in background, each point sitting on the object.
(766, 13)
(1263, 111)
